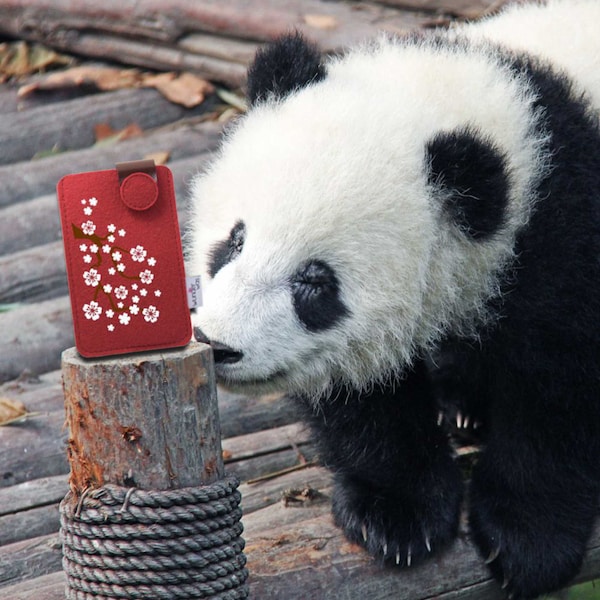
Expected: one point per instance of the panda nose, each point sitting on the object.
(223, 354)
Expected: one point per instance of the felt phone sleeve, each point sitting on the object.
(124, 260)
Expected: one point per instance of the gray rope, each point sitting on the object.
(172, 544)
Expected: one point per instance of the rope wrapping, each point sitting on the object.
(171, 544)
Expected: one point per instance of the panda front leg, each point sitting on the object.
(397, 490)
(534, 492)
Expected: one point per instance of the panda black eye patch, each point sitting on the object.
(316, 297)
(225, 251)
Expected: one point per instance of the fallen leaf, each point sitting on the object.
(159, 158)
(186, 89)
(105, 134)
(103, 78)
(11, 411)
(326, 22)
(18, 59)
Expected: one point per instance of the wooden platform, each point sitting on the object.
(294, 551)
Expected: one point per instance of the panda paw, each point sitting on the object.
(394, 530)
(531, 549)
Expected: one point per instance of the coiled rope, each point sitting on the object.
(174, 544)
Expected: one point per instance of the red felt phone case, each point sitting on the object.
(124, 260)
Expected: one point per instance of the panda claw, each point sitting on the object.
(398, 557)
(385, 549)
(427, 543)
(409, 556)
(466, 422)
(493, 555)
(505, 583)
(363, 529)
(459, 420)
(440, 418)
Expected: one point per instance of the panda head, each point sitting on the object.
(358, 212)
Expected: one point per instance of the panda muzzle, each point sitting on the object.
(223, 354)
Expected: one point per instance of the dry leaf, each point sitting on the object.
(103, 78)
(105, 134)
(11, 411)
(321, 21)
(18, 59)
(159, 158)
(186, 89)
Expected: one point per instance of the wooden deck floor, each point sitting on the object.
(294, 551)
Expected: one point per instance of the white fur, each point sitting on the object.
(336, 172)
(564, 32)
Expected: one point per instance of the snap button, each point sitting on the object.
(139, 191)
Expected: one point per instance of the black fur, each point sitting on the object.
(533, 379)
(470, 175)
(225, 251)
(315, 292)
(280, 68)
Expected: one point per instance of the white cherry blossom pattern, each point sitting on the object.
(138, 254)
(92, 310)
(92, 277)
(118, 297)
(151, 314)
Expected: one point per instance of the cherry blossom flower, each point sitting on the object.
(111, 239)
(124, 319)
(112, 228)
(138, 254)
(112, 271)
(88, 227)
(93, 248)
(92, 277)
(121, 292)
(84, 201)
(157, 293)
(120, 305)
(87, 211)
(135, 299)
(134, 309)
(117, 256)
(143, 292)
(87, 259)
(134, 286)
(83, 247)
(146, 276)
(92, 311)
(93, 201)
(122, 232)
(110, 313)
(120, 267)
(152, 261)
(151, 314)
(110, 327)
(107, 288)
(106, 249)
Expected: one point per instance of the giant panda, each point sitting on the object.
(419, 197)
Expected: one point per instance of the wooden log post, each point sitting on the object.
(146, 420)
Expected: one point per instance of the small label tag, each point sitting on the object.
(194, 291)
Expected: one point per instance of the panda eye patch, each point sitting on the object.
(316, 297)
(225, 251)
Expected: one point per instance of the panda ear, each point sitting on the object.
(283, 66)
(470, 175)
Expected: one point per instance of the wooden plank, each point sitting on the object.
(33, 493)
(48, 587)
(33, 336)
(30, 179)
(25, 524)
(33, 274)
(70, 125)
(30, 561)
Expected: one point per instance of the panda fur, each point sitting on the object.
(420, 197)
